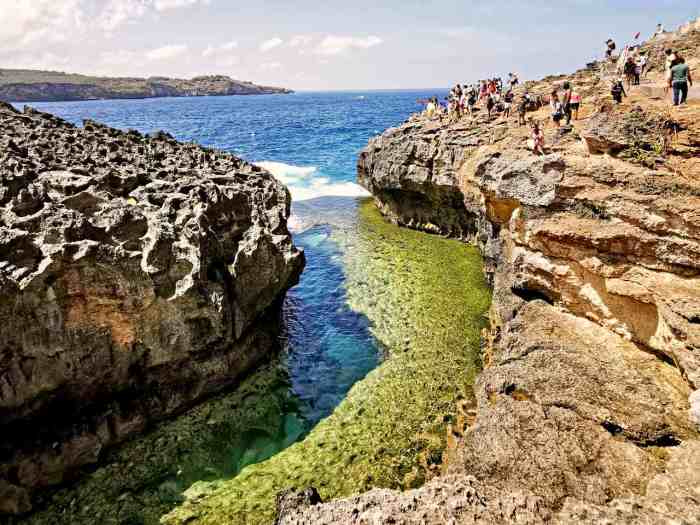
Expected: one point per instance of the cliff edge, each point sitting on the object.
(588, 408)
(137, 276)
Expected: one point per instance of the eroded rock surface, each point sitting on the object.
(588, 406)
(137, 276)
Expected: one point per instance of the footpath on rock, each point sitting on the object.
(138, 276)
(588, 409)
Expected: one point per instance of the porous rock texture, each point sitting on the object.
(588, 408)
(137, 276)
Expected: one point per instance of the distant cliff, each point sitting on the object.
(19, 85)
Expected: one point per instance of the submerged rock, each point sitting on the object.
(137, 276)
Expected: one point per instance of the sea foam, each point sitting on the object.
(304, 183)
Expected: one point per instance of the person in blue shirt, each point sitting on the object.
(679, 80)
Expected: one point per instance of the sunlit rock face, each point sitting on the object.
(137, 276)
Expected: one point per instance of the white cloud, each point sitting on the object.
(118, 12)
(268, 45)
(119, 58)
(270, 66)
(300, 41)
(45, 60)
(336, 45)
(227, 61)
(163, 5)
(220, 49)
(26, 22)
(167, 52)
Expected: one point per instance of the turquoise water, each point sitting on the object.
(311, 142)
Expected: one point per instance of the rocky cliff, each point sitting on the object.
(588, 409)
(18, 85)
(138, 275)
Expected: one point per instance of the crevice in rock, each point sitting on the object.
(666, 440)
(612, 427)
(528, 294)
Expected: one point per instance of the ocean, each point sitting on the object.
(309, 141)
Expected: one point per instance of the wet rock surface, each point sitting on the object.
(138, 275)
(587, 409)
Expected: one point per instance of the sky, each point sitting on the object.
(324, 45)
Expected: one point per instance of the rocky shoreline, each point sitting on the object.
(588, 409)
(139, 276)
(51, 86)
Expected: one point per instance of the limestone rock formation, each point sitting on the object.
(589, 403)
(137, 276)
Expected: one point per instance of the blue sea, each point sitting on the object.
(310, 141)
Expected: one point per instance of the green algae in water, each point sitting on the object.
(427, 299)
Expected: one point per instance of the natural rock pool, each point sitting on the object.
(382, 335)
(390, 315)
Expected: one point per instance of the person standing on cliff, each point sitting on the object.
(556, 107)
(680, 80)
(566, 102)
(471, 101)
(507, 103)
(575, 103)
(617, 91)
(490, 103)
(659, 31)
(522, 109)
(642, 65)
(610, 47)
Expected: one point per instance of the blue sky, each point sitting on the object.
(305, 44)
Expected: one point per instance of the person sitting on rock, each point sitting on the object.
(680, 80)
(618, 91)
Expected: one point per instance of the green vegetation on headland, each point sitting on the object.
(426, 298)
(22, 85)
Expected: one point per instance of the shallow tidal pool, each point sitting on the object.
(382, 340)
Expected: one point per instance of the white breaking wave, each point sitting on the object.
(303, 185)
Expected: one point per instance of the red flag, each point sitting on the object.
(637, 35)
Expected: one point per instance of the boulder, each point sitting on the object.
(138, 275)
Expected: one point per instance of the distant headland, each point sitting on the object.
(24, 85)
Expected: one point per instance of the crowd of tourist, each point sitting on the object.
(495, 96)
